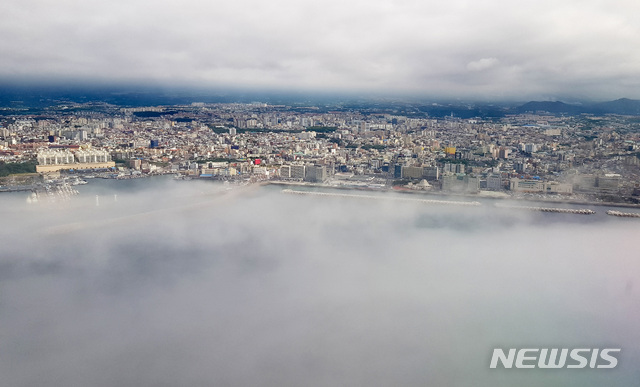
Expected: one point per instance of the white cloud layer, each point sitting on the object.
(490, 49)
(175, 285)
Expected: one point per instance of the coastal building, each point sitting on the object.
(285, 171)
(412, 172)
(316, 174)
(56, 160)
(539, 186)
(454, 168)
(494, 182)
(297, 171)
(431, 173)
(460, 183)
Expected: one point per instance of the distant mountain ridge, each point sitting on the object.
(624, 106)
(620, 106)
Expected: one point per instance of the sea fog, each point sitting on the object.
(165, 283)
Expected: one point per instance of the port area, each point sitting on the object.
(489, 195)
(42, 188)
(495, 201)
(578, 211)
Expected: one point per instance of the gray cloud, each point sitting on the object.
(585, 48)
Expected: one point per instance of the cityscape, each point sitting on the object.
(340, 193)
(580, 157)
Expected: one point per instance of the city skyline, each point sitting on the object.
(490, 51)
(576, 157)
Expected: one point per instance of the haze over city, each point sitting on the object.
(336, 193)
(492, 50)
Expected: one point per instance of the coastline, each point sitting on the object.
(283, 183)
(460, 195)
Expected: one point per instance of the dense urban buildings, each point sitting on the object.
(580, 157)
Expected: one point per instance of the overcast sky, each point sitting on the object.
(457, 48)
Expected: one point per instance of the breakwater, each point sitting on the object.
(623, 214)
(372, 197)
(578, 211)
